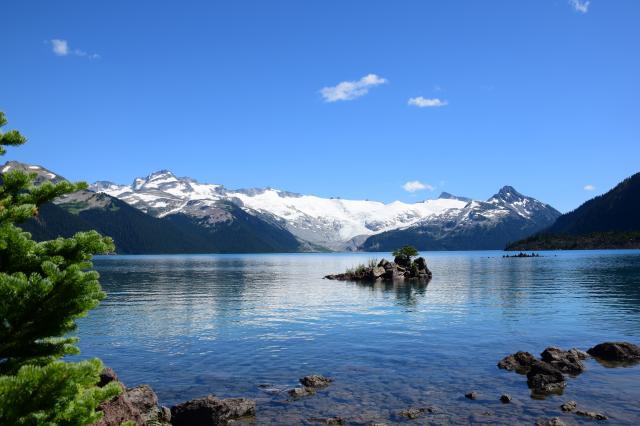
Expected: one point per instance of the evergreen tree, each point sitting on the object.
(44, 288)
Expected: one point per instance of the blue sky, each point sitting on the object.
(353, 99)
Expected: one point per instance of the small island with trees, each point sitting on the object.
(403, 267)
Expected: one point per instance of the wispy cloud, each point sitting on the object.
(416, 185)
(349, 90)
(589, 187)
(62, 48)
(581, 6)
(422, 102)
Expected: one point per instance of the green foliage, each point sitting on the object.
(58, 393)
(44, 288)
(406, 251)
(12, 137)
(372, 263)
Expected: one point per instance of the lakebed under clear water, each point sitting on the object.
(192, 325)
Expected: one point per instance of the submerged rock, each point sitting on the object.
(415, 412)
(210, 411)
(520, 362)
(300, 392)
(505, 398)
(555, 421)
(616, 352)
(471, 395)
(329, 421)
(569, 406)
(316, 381)
(544, 378)
(591, 415)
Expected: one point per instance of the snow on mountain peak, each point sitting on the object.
(330, 222)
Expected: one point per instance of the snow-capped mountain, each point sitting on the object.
(220, 228)
(491, 224)
(331, 223)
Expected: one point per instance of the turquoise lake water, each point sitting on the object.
(230, 324)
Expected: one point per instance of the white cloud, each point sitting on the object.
(349, 90)
(581, 6)
(416, 185)
(61, 48)
(422, 102)
(589, 187)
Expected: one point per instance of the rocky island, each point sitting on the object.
(402, 267)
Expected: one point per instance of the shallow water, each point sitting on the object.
(225, 324)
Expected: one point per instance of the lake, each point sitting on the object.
(227, 324)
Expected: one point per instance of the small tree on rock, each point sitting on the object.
(44, 288)
(402, 256)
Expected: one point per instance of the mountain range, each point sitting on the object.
(163, 213)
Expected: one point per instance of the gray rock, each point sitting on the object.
(616, 351)
(211, 411)
(565, 361)
(581, 355)
(421, 263)
(145, 400)
(505, 398)
(544, 378)
(520, 362)
(378, 271)
(471, 395)
(412, 413)
(569, 406)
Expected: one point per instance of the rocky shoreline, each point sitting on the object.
(545, 375)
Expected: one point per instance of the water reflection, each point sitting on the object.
(407, 292)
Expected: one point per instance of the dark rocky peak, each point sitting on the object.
(161, 175)
(156, 177)
(508, 194)
(448, 196)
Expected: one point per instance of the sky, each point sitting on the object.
(381, 100)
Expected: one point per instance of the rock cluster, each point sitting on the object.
(416, 412)
(401, 268)
(546, 375)
(139, 405)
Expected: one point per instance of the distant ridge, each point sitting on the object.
(611, 220)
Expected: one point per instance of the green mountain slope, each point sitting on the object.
(611, 220)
